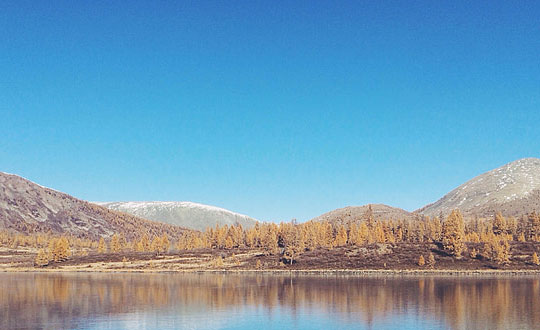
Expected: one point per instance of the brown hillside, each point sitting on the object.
(513, 189)
(355, 213)
(27, 207)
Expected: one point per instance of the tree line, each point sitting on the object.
(290, 239)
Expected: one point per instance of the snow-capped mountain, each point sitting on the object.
(184, 214)
(513, 189)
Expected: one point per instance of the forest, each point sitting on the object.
(496, 243)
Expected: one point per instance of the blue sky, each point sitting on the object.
(276, 110)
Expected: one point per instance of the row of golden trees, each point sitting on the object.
(291, 239)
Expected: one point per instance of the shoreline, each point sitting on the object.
(297, 272)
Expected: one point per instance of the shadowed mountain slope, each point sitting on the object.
(28, 207)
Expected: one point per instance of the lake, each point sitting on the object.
(227, 301)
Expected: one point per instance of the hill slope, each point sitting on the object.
(513, 189)
(354, 213)
(184, 214)
(28, 207)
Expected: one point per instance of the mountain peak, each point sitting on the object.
(511, 188)
(26, 207)
(185, 214)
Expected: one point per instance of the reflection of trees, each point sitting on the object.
(459, 303)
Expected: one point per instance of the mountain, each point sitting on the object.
(513, 189)
(353, 213)
(28, 207)
(185, 214)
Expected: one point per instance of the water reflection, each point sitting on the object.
(221, 301)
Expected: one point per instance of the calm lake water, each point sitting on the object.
(222, 301)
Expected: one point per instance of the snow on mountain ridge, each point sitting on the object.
(503, 187)
(187, 214)
(135, 205)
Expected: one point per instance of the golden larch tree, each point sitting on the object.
(42, 260)
(453, 233)
(102, 247)
(534, 259)
(421, 261)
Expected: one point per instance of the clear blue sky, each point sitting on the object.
(278, 110)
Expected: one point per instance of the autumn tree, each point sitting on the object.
(534, 259)
(500, 226)
(236, 233)
(341, 236)
(497, 249)
(61, 250)
(364, 235)
(533, 227)
(229, 243)
(431, 260)
(41, 259)
(165, 244)
(145, 242)
(310, 235)
(102, 247)
(293, 240)
(251, 237)
(453, 234)
(139, 247)
(421, 261)
(269, 239)
(155, 246)
(115, 245)
(378, 232)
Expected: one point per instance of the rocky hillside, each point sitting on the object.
(184, 214)
(355, 213)
(28, 207)
(513, 189)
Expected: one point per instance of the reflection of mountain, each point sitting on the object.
(65, 300)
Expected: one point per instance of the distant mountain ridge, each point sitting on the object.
(355, 213)
(185, 214)
(513, 189)
(27, 207)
